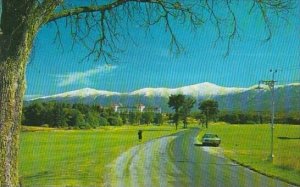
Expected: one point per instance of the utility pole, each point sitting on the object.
(271, 85)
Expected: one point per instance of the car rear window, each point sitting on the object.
(210, 136)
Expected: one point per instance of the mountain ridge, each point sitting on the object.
(200, 89)
(229, 98)
(197, 90)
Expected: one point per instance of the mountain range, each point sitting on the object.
(287, 97)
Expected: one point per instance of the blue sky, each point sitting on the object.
(149, 63)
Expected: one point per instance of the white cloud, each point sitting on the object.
(83, 77)
(29, 97)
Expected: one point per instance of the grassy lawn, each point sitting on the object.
(76, 157)
(250, 145)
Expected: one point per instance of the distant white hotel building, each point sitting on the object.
(138, 108)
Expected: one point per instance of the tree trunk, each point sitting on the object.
(16, 38)
(176, 117)
(184, 124)
(12, 86)
(206, 119)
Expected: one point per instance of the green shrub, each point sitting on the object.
(85, 126)
(103, 121)
(115, 121)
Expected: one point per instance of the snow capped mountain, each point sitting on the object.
(198, 90)
(152, 92)
(86, 92)
(209, 89)
(229, 98)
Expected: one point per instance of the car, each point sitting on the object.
(210, 139)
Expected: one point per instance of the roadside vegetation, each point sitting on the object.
(249, 145)
(51, 156)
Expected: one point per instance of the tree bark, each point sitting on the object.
(16, 38)
(206, 119)
(176, 118)
(12, 86)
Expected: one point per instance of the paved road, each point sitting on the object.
(176, 161)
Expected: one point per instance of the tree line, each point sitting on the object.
(237, 117)
(208, 111)
(82, 116)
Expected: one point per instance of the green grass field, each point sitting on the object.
(76, 157)
(250, 145)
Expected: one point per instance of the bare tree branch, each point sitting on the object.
(87, 9)
(108, 20)
(267, 8)
(234, 31)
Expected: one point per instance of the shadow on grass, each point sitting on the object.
(35, 177)
(44, 177)
(288, 138)
(38, 175)
(285, 167)
(156, 130)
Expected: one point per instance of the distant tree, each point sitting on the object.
(250, 117)
(80, 121)
(103, 121)
(35, 114)
(147, 117)
(158, 119)
(210, 109)
(115, 121)
(92, 118)
(97, 108)
(111, 112)
(185, 110)
(131, 117)
(292, 119)
(170, 117)
(138, 117)
(59, 118)
(83, 108)
(199, 117)
(75, 118)
(176, 102)
(48, 117)
(124, 116)
(232, 117)
(104, 113)
(134, 117)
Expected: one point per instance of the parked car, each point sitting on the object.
(210, 139)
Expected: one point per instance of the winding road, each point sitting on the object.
(175, 161)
